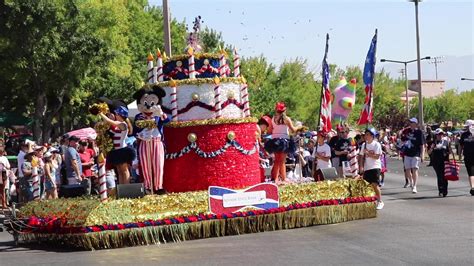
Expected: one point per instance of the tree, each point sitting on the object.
(44, 43)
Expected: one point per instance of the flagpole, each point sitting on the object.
(322, 83)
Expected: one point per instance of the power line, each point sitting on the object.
(436, 60)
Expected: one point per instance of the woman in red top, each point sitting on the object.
(87, 158)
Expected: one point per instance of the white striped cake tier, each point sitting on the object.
(205, 98)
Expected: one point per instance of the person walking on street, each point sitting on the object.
(413, 150)
(439, 151)
(371, 167)
(467, 147)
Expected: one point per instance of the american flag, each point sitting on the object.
(369, 70)
(325, 109)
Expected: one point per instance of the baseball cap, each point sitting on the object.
(372, 131)
(47, 154)
(439, 131)
(413, 120)
(322, 133)
(280, 107)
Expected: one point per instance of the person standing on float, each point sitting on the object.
(280, 144)
(149, 133)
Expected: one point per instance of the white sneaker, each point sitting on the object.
(380, 205)
(414, 190)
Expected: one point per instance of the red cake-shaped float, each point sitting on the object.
(212, 139)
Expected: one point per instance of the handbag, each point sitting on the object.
(451, 170)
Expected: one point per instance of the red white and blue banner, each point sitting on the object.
(262, 196)
(366, 114)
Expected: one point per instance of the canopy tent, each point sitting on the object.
(132, 109)
(84, 133)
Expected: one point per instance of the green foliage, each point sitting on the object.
(68, 53)
(450, 106)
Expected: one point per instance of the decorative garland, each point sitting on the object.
(193, 104)
(210, 122)
(212, 154)
(234, 102)
(55, 225)
(149, 123)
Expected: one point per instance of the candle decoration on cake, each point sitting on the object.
(159, 65)
(192, 72)
(217, 94)
(149, 68)
(102, 179)
(245, 97)
(174, 101)
(222, 63)
(236, 64)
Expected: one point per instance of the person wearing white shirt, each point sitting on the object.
(322, 155)
(371, 151)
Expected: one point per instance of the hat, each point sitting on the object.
(340, 128)
(280, 107)
(54, 150)
(266, 119)
(38, 147)
(372, 131)
(439, 131)
(47, 154)
(322, 133)
(413, 120)
(469, 123)
(74, 138)
(121, 111)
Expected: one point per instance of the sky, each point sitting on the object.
(285, 30)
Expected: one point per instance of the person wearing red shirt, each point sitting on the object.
(87, 158)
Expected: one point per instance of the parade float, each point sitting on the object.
(211, 173)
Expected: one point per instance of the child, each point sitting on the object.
(371, 151)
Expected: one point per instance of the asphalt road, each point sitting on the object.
(412, 229)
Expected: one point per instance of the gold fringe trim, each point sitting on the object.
(212, 228)
(207, 122)
(198, 81)
(182, 57)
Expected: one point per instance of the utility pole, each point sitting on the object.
(166, 27)
(436, 60)
(420, 87)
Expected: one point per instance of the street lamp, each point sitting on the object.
(468, 79)
(420, 92)
(406, 77)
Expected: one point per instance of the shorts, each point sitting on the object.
(469, 166)
(372, 175)
(335, 161)
(110, 179)
(411, 162)
(48, 184)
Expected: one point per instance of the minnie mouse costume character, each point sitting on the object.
(149, 133)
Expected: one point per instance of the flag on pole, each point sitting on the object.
(325, 108)
(369, 71)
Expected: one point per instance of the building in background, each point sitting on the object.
(431, 89)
